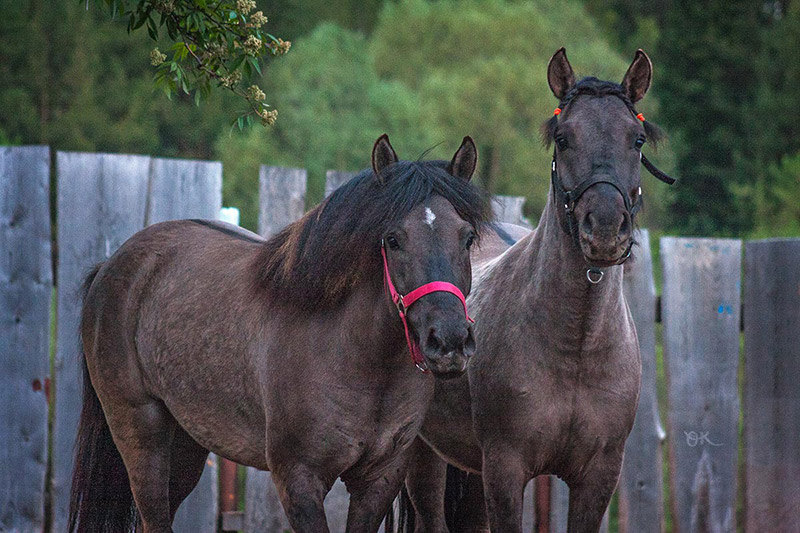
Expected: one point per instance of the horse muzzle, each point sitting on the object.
(448, 348)
(605, 227)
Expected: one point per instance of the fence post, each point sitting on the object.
(282, 194)
(101, 203)
(179, 189)
(282, 198)
(25, 294)
(335, 179)
(771, 393)
(509, 209)
(641, 497)
(700, 310)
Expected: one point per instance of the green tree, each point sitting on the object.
(216, 43)
(709, 52)
(479, 68)
(333, 107)
(296, 18)
(76, 80)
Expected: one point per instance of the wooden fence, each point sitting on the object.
(102, 199)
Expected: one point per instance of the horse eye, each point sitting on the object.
(562, 144)
(470, 240)
(639, 143)
(391, 240)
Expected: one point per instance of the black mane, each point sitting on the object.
(316, 261)
(594, 87)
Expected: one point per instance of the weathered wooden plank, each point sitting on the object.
(641, 499)
(559, 508)
(25, 291)
(180, 189)
(282, 198)
(335, 179)
(528, 508)
(282, 201)
(700, 310)
(198, 512)
(771, 391)
(101, 203)
(559, 505)
(509, 209)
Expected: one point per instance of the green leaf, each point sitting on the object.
(236, 62)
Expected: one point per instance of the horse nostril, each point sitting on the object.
(433, 342)
(469, 343)
(588, 223)
(625, 226)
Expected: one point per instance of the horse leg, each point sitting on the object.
(425, 481)
(302, 493)
(504, 478)
(187, 461)
(370, 499)
(143, 435)
(589, 498)
(470, 515)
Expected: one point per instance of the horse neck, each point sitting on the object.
(374, 327)
(574, 310)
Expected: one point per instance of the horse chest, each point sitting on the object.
(586, 411)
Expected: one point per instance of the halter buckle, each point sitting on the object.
(422, 366)
(401, 307)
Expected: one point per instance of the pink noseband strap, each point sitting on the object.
(404, 302)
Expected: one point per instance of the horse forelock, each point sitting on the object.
(315, 262)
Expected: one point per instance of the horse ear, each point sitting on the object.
(465, 160)
(559, 74)
(637, 79)
(383, 155)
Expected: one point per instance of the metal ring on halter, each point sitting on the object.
(422, 367)
(591, 271)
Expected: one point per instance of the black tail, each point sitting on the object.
(455, 490)
(405, 520)
(101, 499)
(454, 493)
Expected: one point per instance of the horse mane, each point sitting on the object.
(315, 262)
(594, 87)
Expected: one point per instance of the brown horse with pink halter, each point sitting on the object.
(286, 355)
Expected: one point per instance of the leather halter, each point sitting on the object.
(402, 303)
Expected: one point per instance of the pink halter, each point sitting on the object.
(404, 302)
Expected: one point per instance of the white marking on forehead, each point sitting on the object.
(430, 216)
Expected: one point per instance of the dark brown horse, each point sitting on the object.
(286, 355)
(554, 384)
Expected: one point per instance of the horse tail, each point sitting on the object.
(405, 520)
(454, 492)
(101, 498)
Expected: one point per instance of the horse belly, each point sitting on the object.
(220, 418)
